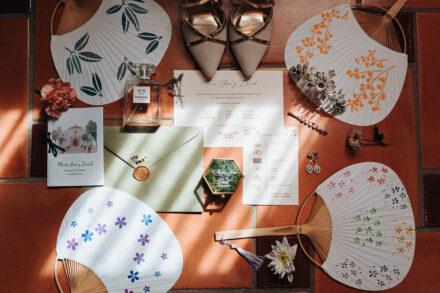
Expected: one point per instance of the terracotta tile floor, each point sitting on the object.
(30, 213)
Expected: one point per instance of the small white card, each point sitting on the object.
(270, 165)
(79, 132)
(229, 107)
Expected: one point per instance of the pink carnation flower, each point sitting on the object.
(58, 96)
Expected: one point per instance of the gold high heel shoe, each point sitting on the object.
(203, 29)
(250, 31)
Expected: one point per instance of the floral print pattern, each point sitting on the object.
(72, 244)
(385, 274)
(146, 219)
(349, 270)
(367, 228)
(87, 236)
(403, 238)
(143, 239)
(320, 36)
(133, 276)
(120, 222)
(396, 196)
(101, 229)
(139, 258)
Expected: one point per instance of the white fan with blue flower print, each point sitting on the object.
(109, 241)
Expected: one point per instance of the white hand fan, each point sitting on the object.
(97, 57)
(361, 225)
(330, 53)
(109, 241)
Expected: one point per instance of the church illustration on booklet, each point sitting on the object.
(77, 139)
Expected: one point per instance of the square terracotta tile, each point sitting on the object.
(16, 6)
(431, 185)
(39, 152)
(409, 4)
(406, 21)
(30, 218)
(429, 64)
(301, 276)
(14, 60)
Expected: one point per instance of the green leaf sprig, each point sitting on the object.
(122, 69)
(154, 41)
(73, 62)
(129, 13)
(96, 89)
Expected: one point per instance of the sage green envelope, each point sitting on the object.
(175, 160)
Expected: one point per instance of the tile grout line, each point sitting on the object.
(254, 244)
(31, 84)
(415, 73)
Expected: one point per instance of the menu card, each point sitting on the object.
(271, 168)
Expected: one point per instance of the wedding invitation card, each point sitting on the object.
(79, 162)
(270, 165)
(236, 112)
(229, 107)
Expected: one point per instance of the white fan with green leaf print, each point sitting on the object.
(97, 57)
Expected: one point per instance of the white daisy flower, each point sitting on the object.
(282, 256)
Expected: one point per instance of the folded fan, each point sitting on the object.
(110, 241)
(361, 225)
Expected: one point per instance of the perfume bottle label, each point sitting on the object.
(141, 95)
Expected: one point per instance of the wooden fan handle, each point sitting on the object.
(248, 233)
(396, 8)
(299, 238)
(53, 16)
(56, 277)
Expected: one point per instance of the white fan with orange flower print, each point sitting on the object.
(109, 241)
(369, 75)
(361, 226)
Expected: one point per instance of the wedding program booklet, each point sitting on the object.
(79, 132)
(229, 107)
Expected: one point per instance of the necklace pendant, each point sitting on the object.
(141, 173)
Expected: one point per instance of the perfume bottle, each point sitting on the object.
(142, 99)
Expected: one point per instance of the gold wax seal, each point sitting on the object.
(141, 173)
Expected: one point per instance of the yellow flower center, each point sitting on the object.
(283, 258)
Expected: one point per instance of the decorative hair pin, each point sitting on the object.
(321, 88)
(310, 124)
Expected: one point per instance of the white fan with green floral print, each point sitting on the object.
(361, 225)
(97, 57)
(109, 241)
(373, 232)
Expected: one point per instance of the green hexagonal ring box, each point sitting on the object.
(222, 176)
